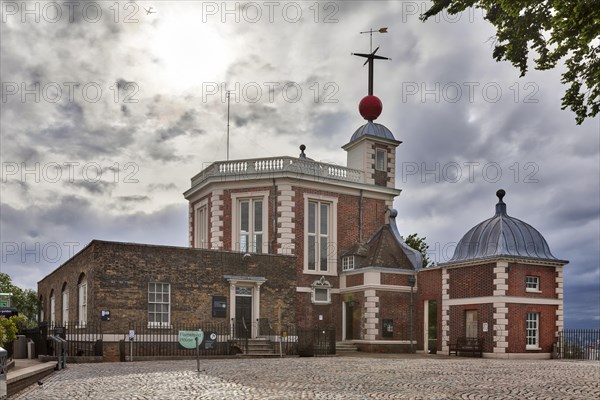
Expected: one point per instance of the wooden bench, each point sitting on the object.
(473, 346)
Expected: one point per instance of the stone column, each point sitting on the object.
(500, 308)
(559, 295)
(371, 309)
(445, 310)
(285, 220)
(216, 220)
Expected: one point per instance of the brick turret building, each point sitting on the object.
(502, 285)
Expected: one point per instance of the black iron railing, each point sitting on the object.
(578, 344)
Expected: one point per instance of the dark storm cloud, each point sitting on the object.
(93, 187)
(133, 198)
(187, 124)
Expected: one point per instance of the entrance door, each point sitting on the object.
(243, 316)
(471, 323)
(349, 320)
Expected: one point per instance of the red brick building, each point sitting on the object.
(310, 240)
(503, 285)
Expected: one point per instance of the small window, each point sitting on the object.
(533, 331)
(159, 304)
(321, 292)
(380, 160)
(532, 284)
(348, 263)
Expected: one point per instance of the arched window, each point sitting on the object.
(52, 308)
(65, 304)
(82, 300)
(41, 308)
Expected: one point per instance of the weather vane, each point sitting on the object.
(370, 107)
(370, 32)
(371, 57)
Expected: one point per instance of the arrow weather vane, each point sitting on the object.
(371, 57)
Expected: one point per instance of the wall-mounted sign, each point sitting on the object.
(131, 334)
(105, 315)
(187, 339)
(485, 326)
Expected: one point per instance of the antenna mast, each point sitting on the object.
(228, 101)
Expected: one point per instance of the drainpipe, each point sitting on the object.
(360, 217)
(273, 219)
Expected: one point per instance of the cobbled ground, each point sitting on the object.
(324, 378)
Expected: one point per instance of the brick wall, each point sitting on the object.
(69, 274)
(396, 306)
(517, 327)
(394, 279)
(485, 314)
(518, 273)
(475, 281)
(355, 280)
(119, 276)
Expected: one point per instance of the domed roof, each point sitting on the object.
(373, 129)
(502, 235)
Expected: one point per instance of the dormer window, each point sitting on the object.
(380, 160)
(347, 263)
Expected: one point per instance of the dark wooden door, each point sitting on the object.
(243, 316)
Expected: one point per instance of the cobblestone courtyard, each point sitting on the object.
(324, 378)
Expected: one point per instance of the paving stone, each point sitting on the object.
(324, 378)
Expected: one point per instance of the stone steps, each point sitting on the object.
(345, 347)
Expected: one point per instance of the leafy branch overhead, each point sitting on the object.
(554, 29)
(417, 243)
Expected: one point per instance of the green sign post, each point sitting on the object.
(187, 339)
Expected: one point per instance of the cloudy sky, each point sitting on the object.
(108, 111)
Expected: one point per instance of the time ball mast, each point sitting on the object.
(370, 106)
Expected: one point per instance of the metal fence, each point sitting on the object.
(578, 344)
(139, 340)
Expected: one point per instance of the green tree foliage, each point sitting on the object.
(24, 300)
(555, 30)
(417, 243)
(8, 331)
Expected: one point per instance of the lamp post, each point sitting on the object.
(411, 280)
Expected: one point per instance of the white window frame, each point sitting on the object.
(320, 284)
(532, 284)
(201, 226)
(236, 199)
(65, 306)
(383, 156)
(332, 259)
(82, 304)
(161, 324)
(348, 263)
(532, 331)
(53, 308)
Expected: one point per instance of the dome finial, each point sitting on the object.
(500, 193)
(501, 206)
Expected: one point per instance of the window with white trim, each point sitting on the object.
(65, 306)
(52, 308)
(380, 160)
(321, 292)
(318, 235)
(348, 263)
(532, 283)
(159, 304)
(201, 228)
(532, 330)
(251, 223)
(82, 297)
